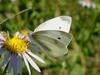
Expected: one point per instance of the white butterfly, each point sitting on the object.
(52, 36)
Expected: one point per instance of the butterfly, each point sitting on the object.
(52, 37)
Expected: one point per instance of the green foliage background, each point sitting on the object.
(84, 51)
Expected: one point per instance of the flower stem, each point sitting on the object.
(14, 16)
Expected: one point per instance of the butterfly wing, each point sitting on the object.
(52, 42)
(52, 36)
(61, 23)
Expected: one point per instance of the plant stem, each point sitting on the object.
(14, 16)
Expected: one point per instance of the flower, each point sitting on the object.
(87, 3)
(12, 1)
(16, 48)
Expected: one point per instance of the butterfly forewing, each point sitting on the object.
(60, 23)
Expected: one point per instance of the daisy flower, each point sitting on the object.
(16, 48)
(87, 3)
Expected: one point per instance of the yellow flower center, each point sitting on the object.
(16, 45)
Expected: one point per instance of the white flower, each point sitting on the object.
(16, 48)
(87, 3)
(12, 1)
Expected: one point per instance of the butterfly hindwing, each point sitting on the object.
(53, 42)
(60, 36)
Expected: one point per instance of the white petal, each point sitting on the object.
(21, 36)
(32, 63)
(1, 42)
(27, 65)
(87, 4)
(2, 38)
(27, 39)
(17, 33)
(93, 5)
(12, 1)
(19, 54)
(61, 23)
(36, 57)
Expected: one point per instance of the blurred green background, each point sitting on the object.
(84, 51)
